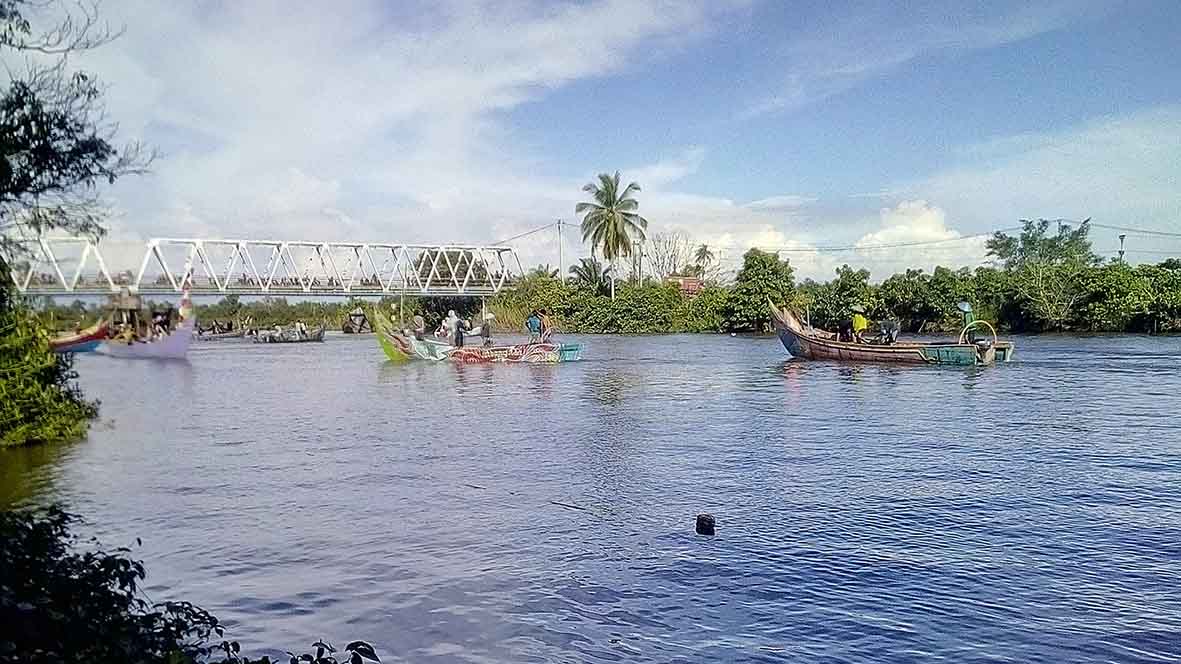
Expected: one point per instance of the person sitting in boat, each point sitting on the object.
(159, 324)
(486, 329)
(860, 323)
(533, 325)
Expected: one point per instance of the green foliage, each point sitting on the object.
(611, 221)
(637, 309)
(62, 604)
(763, 278)
(56, 144)
(38, 400)
(1046, 269)
(830, 303)
(591, 275)
(1114, 297)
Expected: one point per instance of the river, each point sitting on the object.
(1018, 513)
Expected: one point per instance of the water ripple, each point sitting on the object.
(1022, 513)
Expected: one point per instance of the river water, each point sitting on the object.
(1019, 513)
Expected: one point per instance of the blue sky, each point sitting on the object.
(748, 122)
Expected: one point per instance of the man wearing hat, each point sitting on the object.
(860, 323)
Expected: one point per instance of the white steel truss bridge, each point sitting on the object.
(80, 267)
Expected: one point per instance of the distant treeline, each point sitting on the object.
(1041, 282)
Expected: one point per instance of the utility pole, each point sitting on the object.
(561, 267)
(1122, 237)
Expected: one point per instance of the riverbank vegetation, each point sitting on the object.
(39, 401)
(64, 602)
(56, 148)
(1041, 281)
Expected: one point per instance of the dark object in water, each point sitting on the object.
(706, 524)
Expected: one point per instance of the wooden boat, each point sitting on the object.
(289, 336)
(812, 344)
(83, 341)
(215, 336)
(238, 332)
(400, 347)
(174, 345)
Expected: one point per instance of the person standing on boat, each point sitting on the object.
(451, 323)
(419, 328)
(460, 326)
(533, 325)
(969, 317)
(546, 327)
(486, 329)
(301, 329)
(860, 323)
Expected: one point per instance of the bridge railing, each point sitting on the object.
(64, 266)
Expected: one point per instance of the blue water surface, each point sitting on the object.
(1020, 513)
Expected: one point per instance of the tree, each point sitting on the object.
(704, 256)
(764, 277)
(546, 271)
(38, 400)
(56, 142)
(832, 302)
(1046, 267)
(590, 274)
(667, 253)
(611, 219)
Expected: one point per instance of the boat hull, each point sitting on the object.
(799, 343)
(313, 337)
(174, 346)
(537, 353)
(86, 341)
(236, 334)
(401, 347)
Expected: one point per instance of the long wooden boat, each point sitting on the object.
(217, 336)
(83, 341)
(399, 347)
(812, 344)
(174, 345)
(290, 337)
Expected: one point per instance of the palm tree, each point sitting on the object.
(611, 219)
(704, 256)
(591, 274)
(543, 272)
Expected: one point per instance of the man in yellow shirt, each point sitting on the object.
(860, 323)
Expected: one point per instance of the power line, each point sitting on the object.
(526, 233)
(1140, 231)
(897, 245)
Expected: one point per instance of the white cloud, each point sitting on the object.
(842, 50)
(785, 202)
(1120, 171)
(918, 223)
(667, 171)
(376, 122)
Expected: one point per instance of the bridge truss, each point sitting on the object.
(77, 266)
